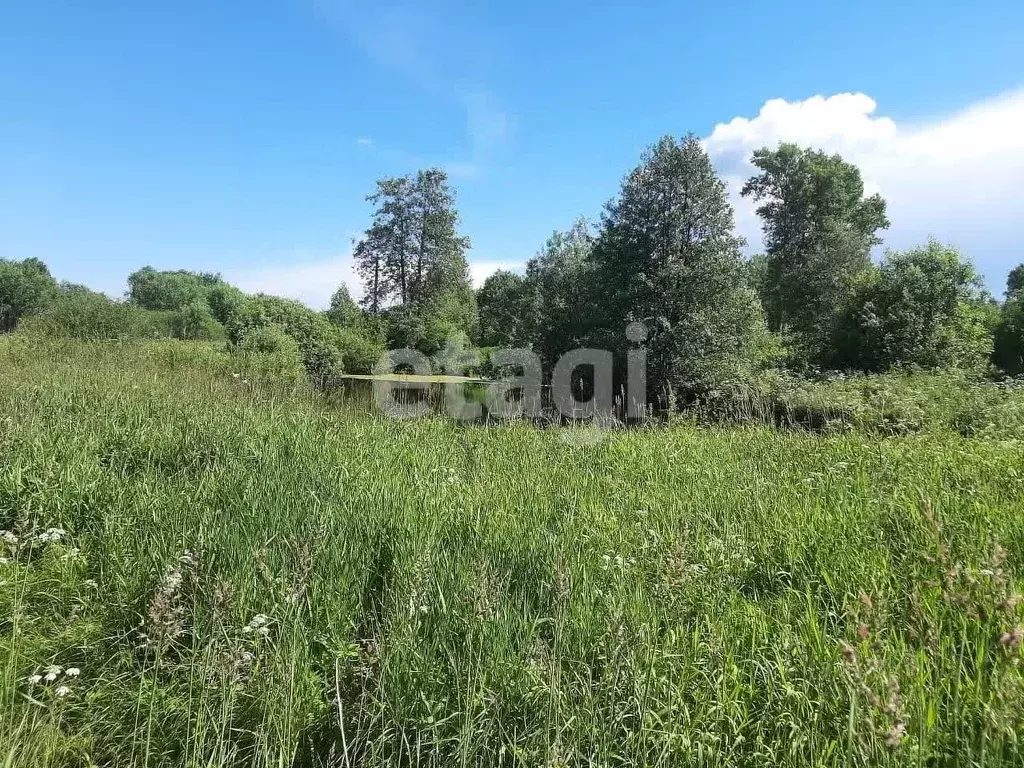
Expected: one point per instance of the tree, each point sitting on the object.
(1008, 341)
(26, 288)
(344, 311)
(1008, 338)
(558, 291)
(1015, 280)
(412, 257)
(150, 289)
(668, 256)
(819, 231)
(383, 256)
(504, 310)
(923, 307)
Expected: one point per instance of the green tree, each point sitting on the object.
(558, 293)
(504, 310)
(344, 311)
(384, 254)
(412, 257)
(819, 231)
(152, 289)
(923, 307)
(1015, 280)
(26, 288)
(668, 256)
(1008, 341)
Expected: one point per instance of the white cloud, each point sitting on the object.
(311, 280)
(364, 142)
(481, 270)
(957, 177)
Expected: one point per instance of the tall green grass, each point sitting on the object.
(244, 576)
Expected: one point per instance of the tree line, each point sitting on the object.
(664, 253)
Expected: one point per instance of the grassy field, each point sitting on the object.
(204, 570)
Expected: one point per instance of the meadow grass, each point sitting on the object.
(242, 575)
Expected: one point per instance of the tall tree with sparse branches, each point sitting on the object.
(412, 258)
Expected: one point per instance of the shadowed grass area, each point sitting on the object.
(242, 576)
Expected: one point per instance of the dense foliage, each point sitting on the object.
(26, 287)
(412, 263)
(924, 307)
(819, 230)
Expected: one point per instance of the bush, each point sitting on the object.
(87, 315)
(169, 290)
(26, 287)
(195, 322)
(924, 307)
(991, 410)
(269, 352)
(311, 331)
(359, 354)
(224, 301)
(1008, 352)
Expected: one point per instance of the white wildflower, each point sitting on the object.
(62, 691)
(258, 624)
(35, 679)
(52, 673)
(91, 584)
(51, 535)
(8, 537)
(73, 672)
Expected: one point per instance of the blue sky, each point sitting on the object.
(242, 138)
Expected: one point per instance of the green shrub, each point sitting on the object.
(1008, 353)
(991, 410)
(313, 333)
(359, 354)
(924, 307)
(195, 322)
(169, 290)
(87, 315)
(26, 287)
(224, 301)
(269, 352)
